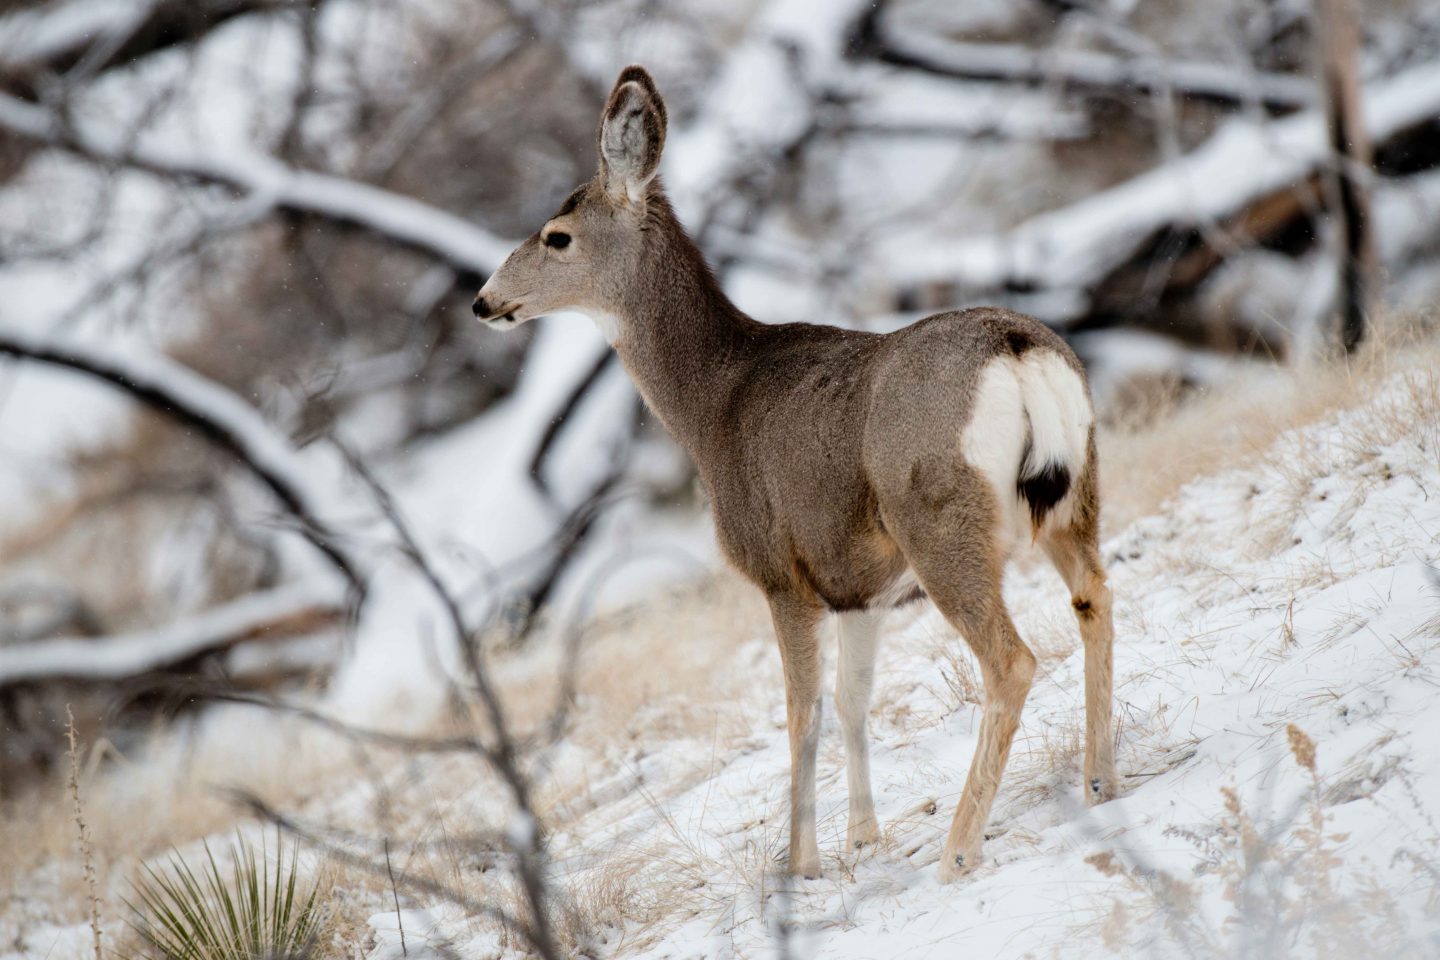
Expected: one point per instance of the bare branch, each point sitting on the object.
(502, 752)
(536, 470)
(1350, 145)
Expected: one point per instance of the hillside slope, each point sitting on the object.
(1298, 590)
(1273, 552)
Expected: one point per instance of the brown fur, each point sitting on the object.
(831, 457)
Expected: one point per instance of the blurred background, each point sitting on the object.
(239, 239)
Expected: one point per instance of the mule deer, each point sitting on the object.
(848, 471)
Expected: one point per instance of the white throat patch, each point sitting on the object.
(608, 323)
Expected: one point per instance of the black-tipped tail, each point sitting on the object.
(1043, 488)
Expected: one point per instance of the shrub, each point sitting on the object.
(258, 914)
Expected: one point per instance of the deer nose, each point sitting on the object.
(480, 308)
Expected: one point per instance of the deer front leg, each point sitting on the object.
(796, 624)
(854, 679)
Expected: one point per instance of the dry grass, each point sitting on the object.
(135, 810)
(1146, 462)
(1284, 882)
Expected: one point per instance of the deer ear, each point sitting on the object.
(632, 135)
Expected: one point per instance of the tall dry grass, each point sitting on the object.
(1148, 456)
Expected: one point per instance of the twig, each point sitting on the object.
(83, 830)
(396, 218)
(110, 35)
(561, 417)
(395, 894)
(264, 811)
(502, 752)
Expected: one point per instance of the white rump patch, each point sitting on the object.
(1059, 411)
(1037, 395)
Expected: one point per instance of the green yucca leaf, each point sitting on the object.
(184, 915)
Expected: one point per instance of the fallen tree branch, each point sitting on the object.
(279, 614)
(216, 414)
(259, 178)
(1118, 249)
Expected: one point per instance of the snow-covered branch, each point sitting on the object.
(1081, 70)
(1069, 253)
(218, 415)
(259, 178)
(280, 614)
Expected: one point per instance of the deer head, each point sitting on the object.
(593, 250)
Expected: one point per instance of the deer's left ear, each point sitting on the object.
(632, 135)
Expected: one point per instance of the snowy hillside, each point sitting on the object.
(1299, 589)
(1280, 612)
(1292, 592)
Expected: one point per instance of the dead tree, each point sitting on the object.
(1349, 143)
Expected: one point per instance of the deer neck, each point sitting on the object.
(681, 339)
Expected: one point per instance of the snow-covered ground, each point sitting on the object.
(1288, 603)
(1280, 612)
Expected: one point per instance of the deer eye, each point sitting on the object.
(557, 240)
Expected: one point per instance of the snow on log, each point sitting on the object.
(1087, 71)
(281, 614)
(261, 179)
(1247, 171)
(218, 414)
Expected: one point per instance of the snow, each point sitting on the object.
(1298, 589)
(34, 36)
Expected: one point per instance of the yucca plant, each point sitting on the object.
(257, 914)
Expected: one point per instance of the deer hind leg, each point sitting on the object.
(958, 552)
(1076, 556)
(796, 627)
(1008, 667)
(854, 679)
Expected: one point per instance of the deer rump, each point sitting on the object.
(1029, 434)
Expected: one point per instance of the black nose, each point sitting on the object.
(479, 308)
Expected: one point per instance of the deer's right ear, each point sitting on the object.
(632, 135)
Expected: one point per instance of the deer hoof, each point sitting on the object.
(1100, 791)
(957, 865)
(807, 868)
(862, 834)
